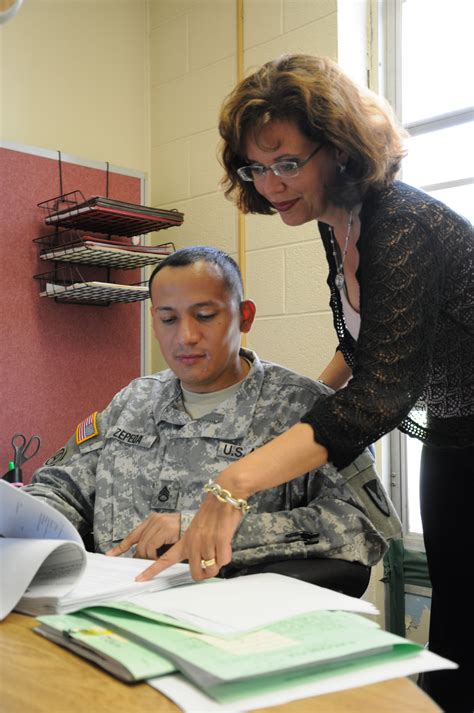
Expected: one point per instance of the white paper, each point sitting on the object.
(191, 700)
(46, 570)
(22, 515)
(242, 604)
(62, 561)
(35, 540)
(104, 579)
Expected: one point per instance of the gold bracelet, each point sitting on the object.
(226, 497)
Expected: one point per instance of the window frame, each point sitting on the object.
(384, 77)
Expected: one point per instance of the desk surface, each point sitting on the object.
(40, 677)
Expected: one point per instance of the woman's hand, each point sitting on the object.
(208, 538)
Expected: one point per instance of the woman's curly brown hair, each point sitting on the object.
(327, 107)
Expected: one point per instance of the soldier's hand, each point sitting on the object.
(157, 530)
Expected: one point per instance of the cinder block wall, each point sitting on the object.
(193, 66)
(74, 77)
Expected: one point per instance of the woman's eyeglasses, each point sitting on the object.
(285, 168)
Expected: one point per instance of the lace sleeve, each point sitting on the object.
(401, 278)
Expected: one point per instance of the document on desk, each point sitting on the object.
(104, 578)
(233, 606)
(291, 687)
(116, 654)
(46, 570)
(35, 540)
(303, 656)
(319, 640)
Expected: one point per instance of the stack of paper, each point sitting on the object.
(45, 568)
(236, 606)
(242, 643)
(248, 639)
(286, 688)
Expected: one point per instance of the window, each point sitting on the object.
(427, 67)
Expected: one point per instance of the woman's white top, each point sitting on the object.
(351, 316)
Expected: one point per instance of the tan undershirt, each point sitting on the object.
(198, 405)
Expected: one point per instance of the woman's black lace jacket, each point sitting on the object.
(413, 363)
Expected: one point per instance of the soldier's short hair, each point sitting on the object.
(230, 271)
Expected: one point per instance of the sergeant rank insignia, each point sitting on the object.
(87, 429)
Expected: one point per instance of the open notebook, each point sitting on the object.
(46, 569)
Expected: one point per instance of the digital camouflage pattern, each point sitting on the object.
(150, 455)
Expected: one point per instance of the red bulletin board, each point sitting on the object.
(59, 362)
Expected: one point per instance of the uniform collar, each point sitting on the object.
(231, 419)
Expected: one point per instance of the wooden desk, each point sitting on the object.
(38, 676)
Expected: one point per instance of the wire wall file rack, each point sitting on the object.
(69, 285)
(106, 215)
(70, 246)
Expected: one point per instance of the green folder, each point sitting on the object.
(116, 654)
(305, 645)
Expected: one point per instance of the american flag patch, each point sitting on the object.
(87, 429)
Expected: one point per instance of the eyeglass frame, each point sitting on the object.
(298, 165)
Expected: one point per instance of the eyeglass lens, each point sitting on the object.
(285, 168)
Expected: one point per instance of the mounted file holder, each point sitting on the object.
(106, 215)
(67, 284)
(71, 214)
(73, 247)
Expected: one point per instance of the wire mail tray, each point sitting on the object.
(89, 253)
(95, 292)
(68, 285)
(106, 215)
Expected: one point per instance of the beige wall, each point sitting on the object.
(108, 80)
(193, 66)
(140, 84)
(74, 77)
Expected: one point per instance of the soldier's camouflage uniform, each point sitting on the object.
(149, 455)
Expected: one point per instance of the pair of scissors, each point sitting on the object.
(24, 450)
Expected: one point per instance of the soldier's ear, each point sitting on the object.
(247, 315)
(152, 315)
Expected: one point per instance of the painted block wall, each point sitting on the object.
(74, 77)
(192, 68)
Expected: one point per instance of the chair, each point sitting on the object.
(349, 578)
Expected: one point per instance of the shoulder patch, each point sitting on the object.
(57, 457)
(376, 494)
(87, 429)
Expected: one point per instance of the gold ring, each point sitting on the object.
(207, 563)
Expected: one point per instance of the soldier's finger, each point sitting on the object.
(127, 542)
(175, 554)
(151, 534)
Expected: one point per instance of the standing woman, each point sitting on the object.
(302, 140)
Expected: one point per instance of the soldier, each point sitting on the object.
(134, 473)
